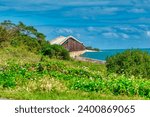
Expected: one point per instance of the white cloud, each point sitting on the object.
(128, 29)
(110, 35)
(148, 33)
(137, 10)
(91, 11)
(123, 35)
(143, 20)
(110, 10)
(91, 28)
(60, 3)
(78, 35)
(65, 30)
(3, 8)
(115, 35)
(100, 29)
(29, 6)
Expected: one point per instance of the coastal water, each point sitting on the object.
(103, 54)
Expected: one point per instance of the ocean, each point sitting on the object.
(103, 54)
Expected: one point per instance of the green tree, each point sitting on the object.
(21, 34)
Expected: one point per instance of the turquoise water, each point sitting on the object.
(102, 55)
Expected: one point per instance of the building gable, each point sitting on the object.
(70, 43)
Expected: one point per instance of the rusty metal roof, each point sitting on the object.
(61, 39)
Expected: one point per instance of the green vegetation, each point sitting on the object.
(55, 50)
(20, 35)
(131, 62)
(91, 48)
(33, 69)
(59, 79)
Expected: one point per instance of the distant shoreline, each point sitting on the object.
(104, 54)
(77, 56)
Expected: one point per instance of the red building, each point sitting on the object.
(70, 43)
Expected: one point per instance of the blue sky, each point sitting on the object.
(105, 24)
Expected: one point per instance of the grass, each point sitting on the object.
(67, 95)
(24, 75)
(17, 55)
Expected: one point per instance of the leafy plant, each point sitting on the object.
(130, 62)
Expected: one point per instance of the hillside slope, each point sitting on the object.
(31, 68)
(24, 75)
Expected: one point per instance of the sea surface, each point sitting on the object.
(103, 54)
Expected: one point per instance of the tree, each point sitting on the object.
(31, 39)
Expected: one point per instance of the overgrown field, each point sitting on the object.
(24, 75)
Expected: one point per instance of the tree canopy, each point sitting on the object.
(29, 37)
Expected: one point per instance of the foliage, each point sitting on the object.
(19, 35)
(130, 62)
(5, 35)
(91, 48)
(55, 51)
(29, 70)
(79, 78)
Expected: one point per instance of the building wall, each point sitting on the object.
(73, 45)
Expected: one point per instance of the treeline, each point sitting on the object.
(91, 48)
(18, 35)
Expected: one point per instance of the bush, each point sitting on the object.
(130, 62)
(56, 51)
(7, 80)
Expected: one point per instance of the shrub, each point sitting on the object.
(130, 62)
(56, 51)
(87, 85)
(122, 85)
(7, 80)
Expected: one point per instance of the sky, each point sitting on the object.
(103, 24)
